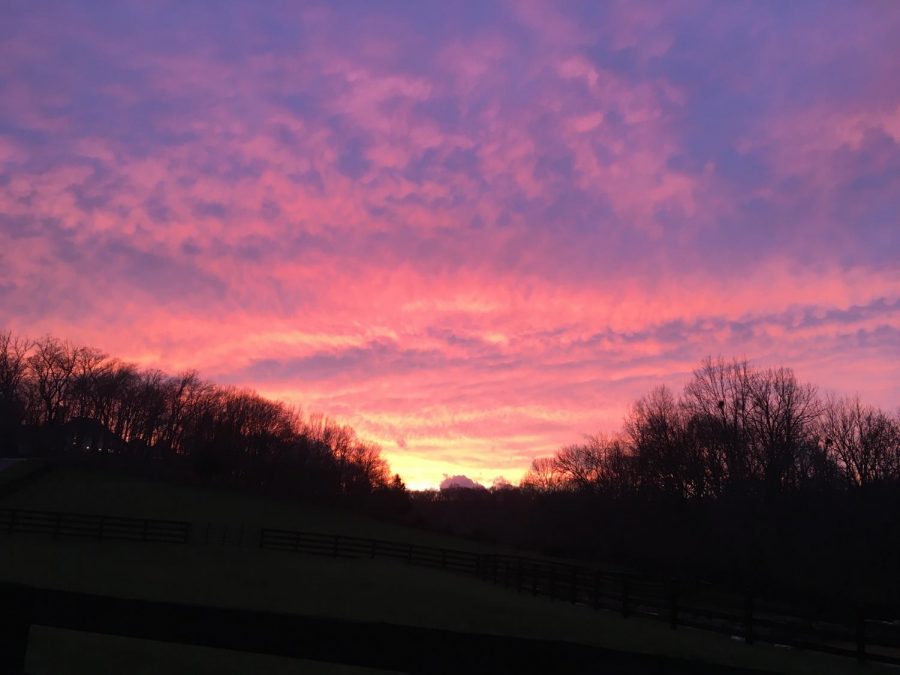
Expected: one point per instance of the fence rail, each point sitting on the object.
(342, 546)
(63, 524)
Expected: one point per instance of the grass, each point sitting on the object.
(99, 492)
(65, 652)
(375, 590)
(14, 471)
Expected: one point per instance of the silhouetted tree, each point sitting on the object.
(13, 371)
(746, 476)
(77, 400)
(863, 441)
(51, 367)
(543, 476)
(718, 402)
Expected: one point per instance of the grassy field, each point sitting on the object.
(126, 495)
(249, 578)
(14, 472)
(65, 652)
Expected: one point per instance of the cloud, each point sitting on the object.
(451, 482)
(481, 229)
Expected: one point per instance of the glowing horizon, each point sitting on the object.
(473, 233)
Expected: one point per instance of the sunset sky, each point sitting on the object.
(472, 231)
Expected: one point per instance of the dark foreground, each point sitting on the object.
(409, 649)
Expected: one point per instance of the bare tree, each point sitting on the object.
(87, 373)
(13, 365)
(578, 466)
(718, 401)
(52, 365)
(666, 460)
(781, 425)
(599, 464)
(543, 476)
(369, 470)
(614, 463)
(13, 370)
(864, 441)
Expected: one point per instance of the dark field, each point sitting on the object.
(233, 572)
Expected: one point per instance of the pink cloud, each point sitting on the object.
(482, 238)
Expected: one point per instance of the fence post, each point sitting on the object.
(100, 527)
(748, 618)
(534, 578)
(673, 605)
(374, 547)
(519, 577)
(409, 552)
(15, 621)
(12, 520)
(625, 593)
(144, 530)
(58, 524)
(443, 558)
(574, 588)
(860, 635)
(596, 595)
(262, 537)
(335, 545)
(552, 582)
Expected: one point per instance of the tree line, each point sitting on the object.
(61, 399)
(733, 430)
(747, 477)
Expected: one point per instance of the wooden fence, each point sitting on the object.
(62, 524)
(341, 546)
(858, 632)
(843, 631)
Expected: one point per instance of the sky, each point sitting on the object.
(472, 231)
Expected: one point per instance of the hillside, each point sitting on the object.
(235, 573)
